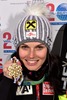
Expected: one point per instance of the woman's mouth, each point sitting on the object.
(31, 62)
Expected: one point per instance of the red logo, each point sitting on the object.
(31, 34)
(51, 6)
(47, 89)
(7, 40)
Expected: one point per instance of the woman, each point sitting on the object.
(40, 76)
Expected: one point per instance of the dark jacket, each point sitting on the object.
(49, 88)
(8, 91)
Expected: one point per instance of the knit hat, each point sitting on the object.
(33, 27)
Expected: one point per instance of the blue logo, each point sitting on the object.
(62, 11)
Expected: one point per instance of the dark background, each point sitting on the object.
(60, 43)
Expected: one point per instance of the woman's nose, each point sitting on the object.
(32, 53)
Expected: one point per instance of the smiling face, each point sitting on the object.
(33, 55)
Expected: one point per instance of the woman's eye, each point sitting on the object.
(24, 47)
(39, 47)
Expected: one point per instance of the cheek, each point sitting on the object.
(22, 53)
(42, 54)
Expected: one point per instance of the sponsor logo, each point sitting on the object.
(24, 90)
(51, 6)
(7, 46)
(47, 89)
(30, 34)
(64, 74)
(62, 11)
(30, 25)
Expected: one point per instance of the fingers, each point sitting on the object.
(16, 60)
(5, 68)
(7, 64)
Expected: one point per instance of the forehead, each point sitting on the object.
(33, 44)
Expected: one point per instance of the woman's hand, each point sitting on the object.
(6, 67)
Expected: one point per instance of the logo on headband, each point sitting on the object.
(30, 25)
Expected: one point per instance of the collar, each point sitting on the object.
(27, 82)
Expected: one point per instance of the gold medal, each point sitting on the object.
(15, 70)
